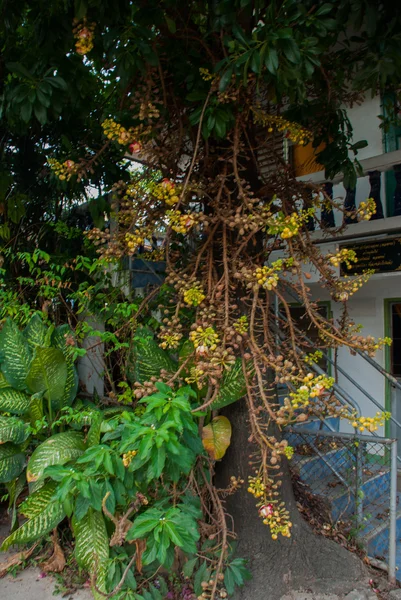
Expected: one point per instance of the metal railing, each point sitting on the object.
(355, 478)
(343, 395)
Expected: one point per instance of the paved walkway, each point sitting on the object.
(27, 585)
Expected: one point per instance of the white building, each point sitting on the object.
(377, 305)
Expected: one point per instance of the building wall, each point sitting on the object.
(366, 307)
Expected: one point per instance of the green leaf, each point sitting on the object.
(36, 408)
(216, 437)
(40, 112)
(3, 382)
(149, 360)
(12, 461)
(13, 429)
(202, 574)
(35, 332)
(14, 401)
(26, 111)
(189, 567)
(48, 374)
(92, 545)
(170, 24)
(271, 61)
(290, 50)
(226, 78)
(229, 581)
(44, 514)
(16, 67)
(59, 340)
(233, 386)
(57, 82)
(144, 523)
(15, 355)
(93, 437)
(57, 450)
(71, 385)
(324, 9)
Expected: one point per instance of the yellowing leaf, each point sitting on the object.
(216, 437)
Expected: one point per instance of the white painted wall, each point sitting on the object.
(367, 308)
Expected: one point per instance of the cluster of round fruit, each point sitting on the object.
(223, 357)
(347, 286)
(128, 457)
(126, 137)
(204, 339)
(166, 191)
(84, 36)
(241, 325)
(266, 277)
(343, 256)
(313, 387)
(206, 74)
(251, 221)
(147, 388)
(366, 210)
(193, 295)
(170, 333)
(293, 131)
(287, 226)
(64, 171)
(133, 241)
(369, 423)
(207, 587)
(147, 110)
(277, 518)
(180, 222)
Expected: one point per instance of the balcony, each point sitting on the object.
(381, 180)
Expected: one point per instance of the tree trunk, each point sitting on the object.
(305, 561)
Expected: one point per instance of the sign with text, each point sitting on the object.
(381, 256)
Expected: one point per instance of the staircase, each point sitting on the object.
(355, 475)
(351, 475)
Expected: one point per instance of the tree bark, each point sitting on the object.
(305, 561)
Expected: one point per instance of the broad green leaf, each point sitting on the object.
(233, 387)
(216, 437)
(57, 450)
(35, 332)
(12, 461)
(59, 337)
(92, 545)
(59, 340)
(15, 488)
(93, 437)
(71, 385)
(15, 355)
(48, 374)
(3, 382)
(44, 514)
(14, 401)
(13, 429)
(36, 408)
(149, 360)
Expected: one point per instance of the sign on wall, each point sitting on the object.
(381, 256)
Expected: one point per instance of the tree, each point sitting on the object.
(200, 91)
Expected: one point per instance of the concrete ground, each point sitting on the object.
(28, 585)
